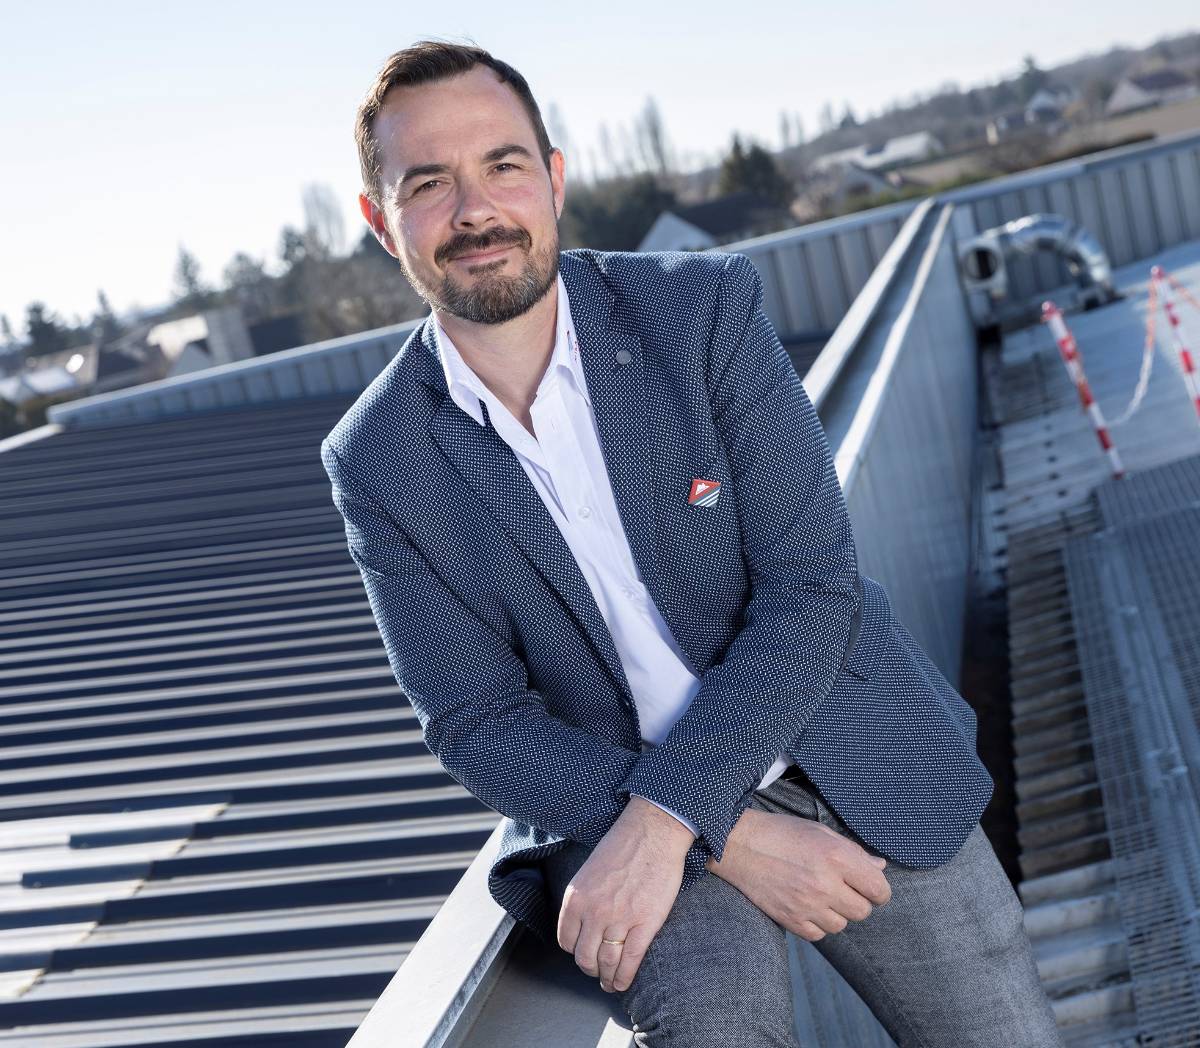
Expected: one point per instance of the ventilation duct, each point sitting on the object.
(983, 262)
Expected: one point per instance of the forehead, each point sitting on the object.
(434, 123)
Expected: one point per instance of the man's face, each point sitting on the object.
(461, 174)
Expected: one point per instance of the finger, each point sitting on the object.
(877, 860)
(637, 942)
(808, 930)
(587, 949)
(830, 921)
(569, 925)
(869, 882)
(608, 958)
(851, 904)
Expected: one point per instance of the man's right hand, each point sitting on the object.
(802, 874)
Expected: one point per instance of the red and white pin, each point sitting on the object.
(704, 492)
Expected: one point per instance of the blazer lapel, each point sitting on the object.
(489, 466)
(614, 367)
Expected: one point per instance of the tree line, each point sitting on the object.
(335, 289)
(616, 189)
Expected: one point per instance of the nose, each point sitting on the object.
(474, 209)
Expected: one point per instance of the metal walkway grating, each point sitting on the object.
(1047, 491)
(1135, 593)
(1147, 493)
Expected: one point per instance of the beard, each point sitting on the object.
(499, 289)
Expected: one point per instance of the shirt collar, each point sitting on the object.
(468, 391)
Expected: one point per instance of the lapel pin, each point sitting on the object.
(704, 492)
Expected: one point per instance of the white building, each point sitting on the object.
(215, 336)
(697, 227)
(1160, 87)
(895, 152)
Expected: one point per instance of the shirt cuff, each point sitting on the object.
(686, 822)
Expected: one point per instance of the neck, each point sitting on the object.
(509, 358)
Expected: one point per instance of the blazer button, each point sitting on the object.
(623, 356)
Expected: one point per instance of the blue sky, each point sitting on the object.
(131, 128)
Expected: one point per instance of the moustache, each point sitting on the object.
(461, 248)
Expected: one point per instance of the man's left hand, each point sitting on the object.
(624, 890)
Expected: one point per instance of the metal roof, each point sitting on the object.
(214, 802)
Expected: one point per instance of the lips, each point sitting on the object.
(483, 256)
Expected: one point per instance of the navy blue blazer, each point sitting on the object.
(495, 639)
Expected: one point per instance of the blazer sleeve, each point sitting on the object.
(488, 729)
(802, 565)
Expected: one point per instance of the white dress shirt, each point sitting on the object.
(566, 466)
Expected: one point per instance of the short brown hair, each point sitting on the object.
(425, 62)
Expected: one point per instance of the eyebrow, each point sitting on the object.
(436, 169)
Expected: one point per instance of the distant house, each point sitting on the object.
(1159, 87)
(1044, 112)
(736, 216)
(1005, 125)
(1021, 121)
(851, 180)
(1049, 102)
(83, 369)
(895, 152)
(835, 189)
(213, 336)
(42, 382)
(147, 352)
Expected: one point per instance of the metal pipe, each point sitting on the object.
(1084, 256)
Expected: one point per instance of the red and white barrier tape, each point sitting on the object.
(1183, 291)
(1052, 316)
(1187, 366)
(1148, 347)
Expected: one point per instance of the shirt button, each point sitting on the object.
(584, 511)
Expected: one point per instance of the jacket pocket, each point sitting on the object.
(874, 629)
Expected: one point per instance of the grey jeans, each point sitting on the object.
(945, 963)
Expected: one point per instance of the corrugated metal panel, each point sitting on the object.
(218, 821)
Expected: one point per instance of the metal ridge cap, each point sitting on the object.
(822, 376)
(851, 450)
(452, 963)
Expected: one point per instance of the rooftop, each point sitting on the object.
(221, 825)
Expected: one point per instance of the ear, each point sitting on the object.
(558, 179)
(378, 224)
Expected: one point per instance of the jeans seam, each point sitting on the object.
(869, 969)
(822, 809)
(652, 958)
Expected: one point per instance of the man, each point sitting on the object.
(600, 531)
